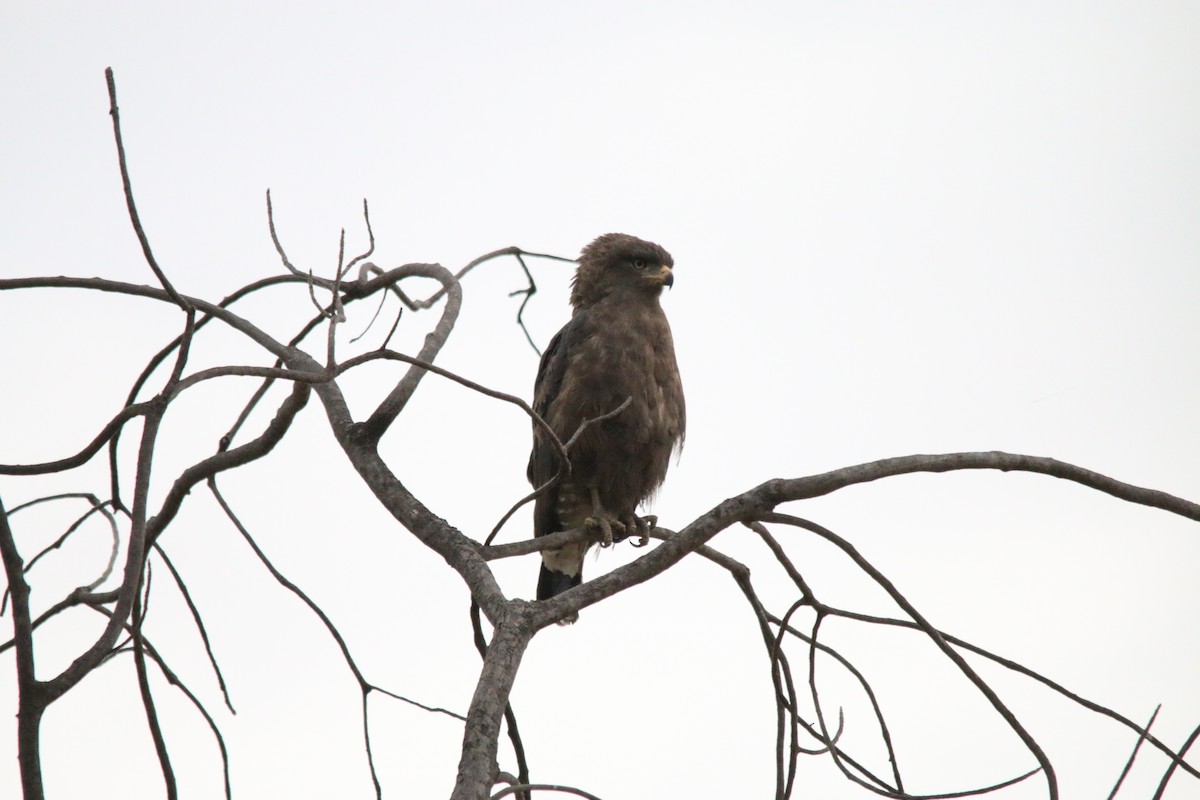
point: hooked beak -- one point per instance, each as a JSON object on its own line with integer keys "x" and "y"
{"x": 667, "y": 277}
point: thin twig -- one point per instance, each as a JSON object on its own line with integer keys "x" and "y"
{"x": 504, "y": 251}
{"x": 397, "y": 399}
{"x": 354, "y": 262}
{"x": 806, "y": 592}
{"x": 934, "y": 635}
{"x": 198, "y": 620}
{"x": 390, "y": 355}
{"x": 127, "y": 185}
{"x": 96, "y": 507}
{"x": 1187, "y": 745}
{"x": 174, "y": 680}
{"x": 528, "y": 293}
{"x": 275, "y": 239}
{"x": 1133, "y": 755}
{"x": 422, "y": 706}
{"x": 79, "y": 597}
{"x": 1027, "y": 672}
{"x": 282, "y": 580}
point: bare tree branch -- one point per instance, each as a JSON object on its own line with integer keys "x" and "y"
{"x": 134, "y": 557}
{"x": 514, "y": 621}
{"x": 762, "y": 499}
{"x": 95, "y": 507}
{"x": 79, "y": 597}
{"x": 139, "y": 660}
{"x": 1187, "y": 745}
{"x": 395, "y": 402}
{"x": 84, "y": 455}
{"x": 510, "y": 716}
{"x": 228, "y": 459}
{"x": 1132, "y": 756}
{"x": 363, "y": 685}
{"x": 477, "y": 767}
{"x": 1023, "y": 670}
{"x": 126, "y": 183}
{"x": 783, "y": 490}
{"x": 32, "y": 700}
{"x": 934, "y": 635}
{"x": 173, "y": 680}
{"x": 199, "y": 621}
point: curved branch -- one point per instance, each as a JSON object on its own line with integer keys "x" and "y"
{"x": 80, "y": 597}
{"x": 762, "y": 499}
{"x": 83, "y": 456}
{"x": 240, "y": 324}
{"x": 228, "y": 459}
{"x": 135, "y": 555}
{"x": 782, "y": 490}
{"x": 417, "y": 305}
{"x": 542, "y": 787}
{"x": 398, "y": 398}
{"x": 95, "y": 507}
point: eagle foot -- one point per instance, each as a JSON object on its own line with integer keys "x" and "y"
{"x": 604, "y": 521}
{"x": 605, "y": 525}
{"x": 641, "y": 526}
{"x": 644, "y": 526}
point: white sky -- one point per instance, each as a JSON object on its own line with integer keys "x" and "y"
{"x": 898, "y": 228}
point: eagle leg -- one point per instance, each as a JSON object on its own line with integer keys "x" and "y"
{"x": 603, "y": 520}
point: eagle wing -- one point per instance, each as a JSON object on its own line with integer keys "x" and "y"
{"x": 544, "y": 458}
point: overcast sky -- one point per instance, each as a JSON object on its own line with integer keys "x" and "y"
{"x": 898, "y": 228}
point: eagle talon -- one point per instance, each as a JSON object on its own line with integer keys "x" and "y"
{"x": 602, "y": 520}
{"x": 643, "y": 526}
{"x": 605, "y": 526}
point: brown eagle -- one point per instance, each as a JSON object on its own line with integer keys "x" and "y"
{"x": 616, "y": 347}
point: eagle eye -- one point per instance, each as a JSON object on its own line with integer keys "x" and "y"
{"x": 639, "y": 263}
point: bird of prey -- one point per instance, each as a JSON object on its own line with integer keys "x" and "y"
{"x": 617, "y": 347}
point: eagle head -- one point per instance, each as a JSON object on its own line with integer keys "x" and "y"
{"x": 618, "y": 262}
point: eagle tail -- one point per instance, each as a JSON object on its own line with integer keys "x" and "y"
{"x": 552, "y": 582}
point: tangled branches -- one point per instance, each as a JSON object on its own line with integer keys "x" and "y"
{"x": 143, "y": 502}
